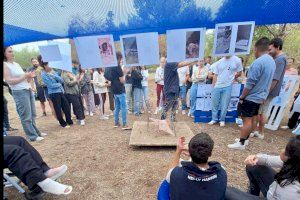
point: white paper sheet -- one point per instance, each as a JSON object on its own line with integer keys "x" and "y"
{"x": 140, "y": 49}
{"x": 92, "y": 52}
{"x": 50, "y": 53}
{"x": 185, "y": 44}
{"x": 65, "y": 51}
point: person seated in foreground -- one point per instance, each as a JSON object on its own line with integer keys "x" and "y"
{"x": 283, "y": 185}
{"x": 198, "y": 178}
{"x": 24, "y": 161}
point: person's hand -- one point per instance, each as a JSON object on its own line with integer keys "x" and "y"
{"x": 91, "y": 81}
{"x": 251, "y": 160}
{"x": 30, "y": 75}
{"x": 181, "y": 146}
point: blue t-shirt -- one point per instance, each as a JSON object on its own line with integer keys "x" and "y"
{"x": 171, "y": 79}
{"x": 259, "y": 78}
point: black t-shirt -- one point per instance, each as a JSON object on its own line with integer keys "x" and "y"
{"x": 113, "y": 74}
{"x": 136, "y": 79}
{"x": 171, "y": 79}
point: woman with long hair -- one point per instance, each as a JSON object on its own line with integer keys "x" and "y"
{"x": 71, "y": 86}
{"x": 19, "y": 82}
{"x": 87, "y": 90}
{"x": 283, "y": 185}
{"x": 56, "y": 93}
{"x": 100, "y": 86}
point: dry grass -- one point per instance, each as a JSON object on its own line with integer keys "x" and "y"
{"x": 102, "y": 165}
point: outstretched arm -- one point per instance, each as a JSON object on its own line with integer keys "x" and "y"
{"x": 186, "y": 63}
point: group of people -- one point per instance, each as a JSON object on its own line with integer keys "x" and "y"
{"x": 127, "y": 89}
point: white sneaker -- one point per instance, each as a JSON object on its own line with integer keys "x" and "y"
{"x": 237, "y": 145}
{"x": 104, "y": 118}
{"x": 284, "y": 127}
{"x": 160, "y": 108}
{"x": 176, "y": 111}
{"x": 212, "y": 122}
{"x": 91, "y": 114}
{"x": 39, "y": 139}
{"x": 183, "y": 112}
{"x": 257, "y": 134}
{"x": 222, "y": 124}
{"x": 82, "y": 122}
{"x": 68, "y": 126}
{"x": 246, "y": 141}
{"x": 43, "y": 134}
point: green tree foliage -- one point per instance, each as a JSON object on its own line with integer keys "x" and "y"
{"x": 24, "y": 56}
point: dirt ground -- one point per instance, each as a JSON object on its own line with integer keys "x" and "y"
{"x": 102, "y": 165}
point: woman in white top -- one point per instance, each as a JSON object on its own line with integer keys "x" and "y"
{"x": 19, "y": 82}
{"x": 282, "y": 185}
{"x": 159, "y": 80}
{"x": 145, "y": 75}
{"x": 199, "y": 76}
{"x": 100, "y": 87}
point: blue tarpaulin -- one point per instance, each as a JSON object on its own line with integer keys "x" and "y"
{"x": 34, "y": 20}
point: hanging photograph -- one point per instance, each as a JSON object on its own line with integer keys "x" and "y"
{"x": 140, "y": 49}
{"x": 130, "y": 50}
{"x": 223, "y": 39}
{"x": 185, "y": 44}
{"x": 243, "y": 39}
{"x": 106, "y": 50}
{"x": 233, "y": 38}
{"x": 192, "y": 44}
{"x": 96, "y": 51}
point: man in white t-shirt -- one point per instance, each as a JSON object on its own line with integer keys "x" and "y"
{"x": 226, "y": 70}
{"x": 183, "y": 74}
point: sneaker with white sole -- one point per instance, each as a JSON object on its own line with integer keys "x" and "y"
{"x": 222, "y": 124}
{"x": 246, "y": 141}
{"x": 183, "y": 112}
{"x": 82, "y": 122}
{"x": 237, "y": 145}
{"x": 104, "y": 117}
{"x": 39, "y": 139}
{"x": 43, "y": 134}
{"x": 212, "y": 122}
{"x": 257, "y": 134}
{"x": 68, "y": 126}
{"x": 91, "y": 114}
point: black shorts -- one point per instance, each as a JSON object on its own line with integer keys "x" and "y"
{"x": 248, "y": 109}
{"x": 41, "y": 94}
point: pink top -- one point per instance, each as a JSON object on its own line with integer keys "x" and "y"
{"x": 291, "y": 71}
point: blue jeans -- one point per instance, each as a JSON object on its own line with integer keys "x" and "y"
{"x": 129, "y": 96}
{"x": 220, "y": 99}
{"x": 182, "y": 94}
{"x": 145, "y": 93}
{"x": 193, "y": 97}
{"x": 138, "y": 100}
{"x": 25, "y": 104}
{"x": 120, "y": 105}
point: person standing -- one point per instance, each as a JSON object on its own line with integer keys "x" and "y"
{"x": 208, "y": 65}
{"x": 73, "y": 96}
{"x": 226, "y": 70}
{"x": 6, "y": 124}
{"x": 87, "y": 91}
{"x": 183, "y": 74}
{"x": 100, "y": 87}
{"x": 259, "y": 79}
{"x": 159, "y": 80}
{"x": 290, "y": 67}
{"x": 199, "y": 76}
{"x": 171, "y": 88}
{"x": 116, "y": 76}
{"x": 275, "y": 50}
{"x": 129, "y": 91}
{"x": 137, "y": 87}
{"x": 110, "y": 94}
{"x": 41, "y": 89}
{"x": 56, "y": 93}
{"x": 145, "y": 75}
{"x": 18, "y": 81}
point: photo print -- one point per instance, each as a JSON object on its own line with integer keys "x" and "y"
{"x": 130, "y": 50}
{"x": 106, "y": 50}
{"x": 243, "y": 38}
{"x": 223, "y": 39}
{"x": 192, "y": 44}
